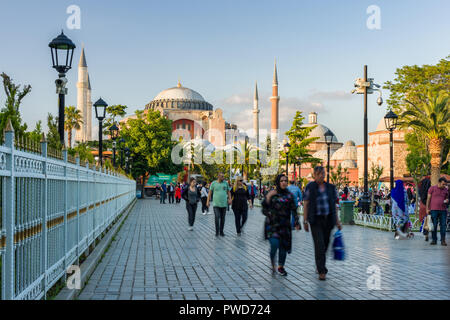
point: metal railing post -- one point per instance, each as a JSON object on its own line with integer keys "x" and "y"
{"x": 10, "y": 215}
{"x": 44, "y": 249}
{"x": 64, "y": 153}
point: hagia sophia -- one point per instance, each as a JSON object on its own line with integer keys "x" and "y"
{"x": 193, "y": 117}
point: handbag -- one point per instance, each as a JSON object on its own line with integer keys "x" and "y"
{"x": 430, "y": 223}
{"x": 338, "y": 246}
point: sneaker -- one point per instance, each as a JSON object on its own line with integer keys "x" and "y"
{"x": 433, "y": 242}
{"x": 238, "y": 234}
{"x": 443, "y": 243}
{"x": 204, "y": 213}
{"x": 282, "y": 272}
{"x": 322, "y": 276}
{"x": 191, "y": 228}
{"x": 222, "y": 234}
{"x": 426, "y": 238}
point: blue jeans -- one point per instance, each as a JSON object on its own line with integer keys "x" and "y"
{"x": 442, "y": 216}
{"x": 274, "y": 246}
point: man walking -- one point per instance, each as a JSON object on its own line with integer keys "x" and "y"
{"x": 171, "y": 193}
{"x": 221, "y": 198}
{"x": 163, "y": 193}
{"x": 253, "y": 191}
{"x": 320, "y": 212}
{"x": 297, "y": 198}
{"x": 437, "y": 201}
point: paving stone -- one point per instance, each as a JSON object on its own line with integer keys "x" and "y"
{"x": 156, "y": 257}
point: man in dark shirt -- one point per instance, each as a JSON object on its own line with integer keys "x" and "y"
{"x": 163, "y": 193}
{"x": 320, "y": 212}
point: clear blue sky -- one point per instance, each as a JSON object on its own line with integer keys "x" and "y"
{"x": 135, "y": 49}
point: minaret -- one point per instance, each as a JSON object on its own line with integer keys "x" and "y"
{"x": 82, "y": 97}
{"x": 256, "y": 114}
{"x": 89, "y": 113}
{"x": 275, "y": 99}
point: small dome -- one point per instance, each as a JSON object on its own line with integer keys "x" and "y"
{"x": 319, "y": 132}
{"x": 348, "y": 164}
{"x": 347, "y": 152}
{"x": 350, "y": 143}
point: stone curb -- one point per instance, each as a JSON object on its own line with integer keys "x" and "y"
{"x": 91, "y": 262}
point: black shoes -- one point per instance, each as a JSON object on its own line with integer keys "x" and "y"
{"x": 222, "y": 234}
{"x": 443, "y": 243}
{"x": 433, "y": 242}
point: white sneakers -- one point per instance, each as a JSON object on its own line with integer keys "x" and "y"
{"x": 191, "y": 228}
{"x": 204, "y": 213}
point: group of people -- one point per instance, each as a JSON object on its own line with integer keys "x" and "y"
{"x": 173, "y": 192}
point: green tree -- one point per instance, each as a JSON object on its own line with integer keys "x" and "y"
{"x": 339, "y": 177}
{"x": 113, "y": 112}
{"x": 419, "y": 95}
{"x": 14, "y": 97}
{"x": 36, "y": 134}
{"x": 83, "y": 151}
{"x": 73, "y": 120}
{"x": 53, "y": 133}
{"x": 373, "y": 179}
{"x": 149, "y": 139}
{"x": 299, "y": 141}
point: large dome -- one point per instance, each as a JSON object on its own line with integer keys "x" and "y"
{"x": 179, "y": 93}
{"x": 347, "y": 152}
{"x": 319, "y": 132}
{"x": 179, "y": 97}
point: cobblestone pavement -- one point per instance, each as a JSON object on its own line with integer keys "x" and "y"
{"x": 154, "y": 256}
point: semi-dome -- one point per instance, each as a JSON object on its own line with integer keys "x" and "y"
{"x": 179, "y": 97}
{"x": 323, "y": 154}
{"x": 347, "y": 152}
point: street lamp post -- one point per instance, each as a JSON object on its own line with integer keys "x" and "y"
{"x": 62, "y": 53}
{"x": 328, "y": 140}
{"x": 100, "y": 113}
{"x": 127, "y": 159}
{"x": 366, "y": 86}
{"x": 114, "y": 130}
{"x": 390, "y": 120}
{"x": 121, "y": 144}
{"x": 286, "y": 149}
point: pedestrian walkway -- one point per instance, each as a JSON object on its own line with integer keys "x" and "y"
{"x": 154, "y": 256}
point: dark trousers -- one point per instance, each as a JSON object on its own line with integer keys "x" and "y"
{"x": 252, "y": 197}
{"x": 219, "y": 214}
{"x": 163, "y": 197}
{"x": 274, "y": 247}
{"x": 204, "y": 207}
{"x": 178, "y": 200}
{"x": 171, "y": 197}
{"x": 438, "y": 216}
{"x": 191, "y": 209}
{"x": 240, "y": 217}
{"x": 321, "y": 231}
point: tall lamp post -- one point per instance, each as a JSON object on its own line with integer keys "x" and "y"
{"x": 328, "y": 139}
{"x": 100, "y": 113}
{"x": 390, "y": 120}
{"x": 121, "y": 145}
{"x": 62, "y": 53}
{"x": 366, "y": 86}
{"x": 286, "y": 149}
{"x": 114, "y": 130}
{"x": 127, "y": 159}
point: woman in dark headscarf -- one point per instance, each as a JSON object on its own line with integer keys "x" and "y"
{"x": 399, "y": 206}
{"x": 278, "y": 206}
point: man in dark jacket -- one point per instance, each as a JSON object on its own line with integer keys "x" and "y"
{"x": 320, "y": 212}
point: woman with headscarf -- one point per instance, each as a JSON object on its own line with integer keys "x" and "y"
{"x": 278, "y": 206}
{"x": 399, "y": 208}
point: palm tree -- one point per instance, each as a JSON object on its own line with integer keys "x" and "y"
{"x": 73, "y": 121}
{"x": 430, "y": 119}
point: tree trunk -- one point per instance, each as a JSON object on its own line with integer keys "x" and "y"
{"x": 435, "y": 151}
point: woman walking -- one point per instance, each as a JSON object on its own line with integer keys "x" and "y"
{"x": 192, "y": 197}
{"x": 278, "y": 206}
{"x": 204, "y": 193}
{"x": 399, "y": 208}
{"x": 239, "y": 199}
{"x": 178, "y": 193}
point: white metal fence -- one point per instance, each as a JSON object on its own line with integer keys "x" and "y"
{"x": 51, "y": 211}
{"x": 381, "y": 222}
